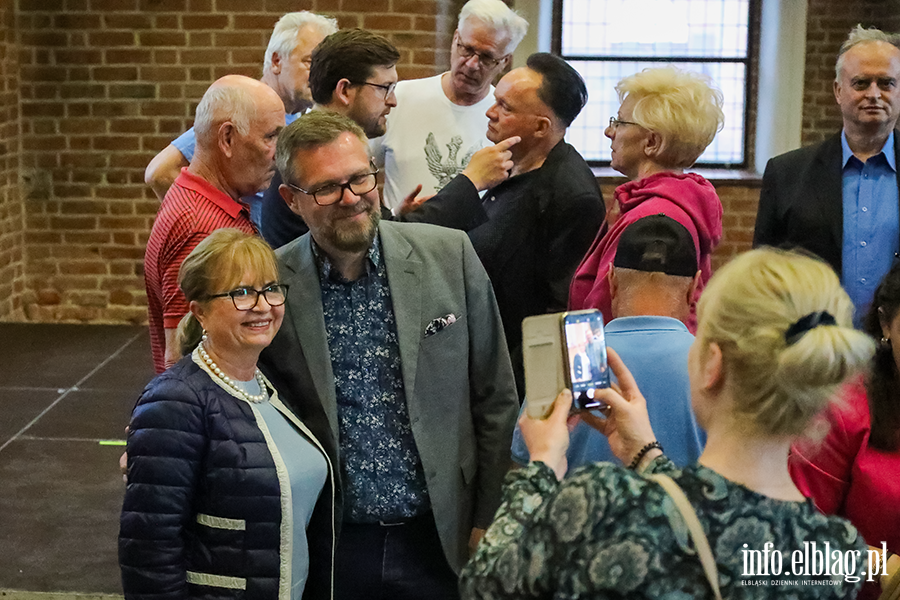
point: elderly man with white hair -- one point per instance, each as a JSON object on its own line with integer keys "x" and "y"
{"x": 439, "y": 122}
{"x": 237, "y": 124}
{"x": 285, "y": 70}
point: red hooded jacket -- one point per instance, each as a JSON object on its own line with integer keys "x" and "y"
{"x": 688, "y": 198}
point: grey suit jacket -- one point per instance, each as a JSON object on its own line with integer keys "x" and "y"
{"x": 459, "y": 386}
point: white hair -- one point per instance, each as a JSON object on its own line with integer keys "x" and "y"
{"x": 857, "y": 36}
{"x": 284, "y": 36}
{"x": 222, "y": 103}
{"x": 499, "y": 17}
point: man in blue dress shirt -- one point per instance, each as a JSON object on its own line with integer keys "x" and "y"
{"x": 839, "y": 198}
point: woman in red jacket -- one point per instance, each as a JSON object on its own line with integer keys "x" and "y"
{"x": 666, "y": 120}
{"x": 855, "y": 471}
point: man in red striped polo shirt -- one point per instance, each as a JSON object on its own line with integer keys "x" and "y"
{"x": 237, "y": 124}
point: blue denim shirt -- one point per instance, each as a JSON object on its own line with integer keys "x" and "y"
{"x": 380, "y": 465}
{"x": 871, "y": 222}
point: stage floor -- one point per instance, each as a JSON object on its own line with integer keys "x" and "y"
{"x": 66, "y": 393}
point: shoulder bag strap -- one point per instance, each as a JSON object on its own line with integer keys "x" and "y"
{"x": 696, "y": 529}
{"x": 891, "y": 590}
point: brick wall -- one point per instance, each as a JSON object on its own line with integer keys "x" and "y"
{"x": 90, "y": 90}
{"x": 12, "y": 245}
{"x": 828, "y": 24}
{"x": 739, "y": 202}
{"x": 105, "y": 84}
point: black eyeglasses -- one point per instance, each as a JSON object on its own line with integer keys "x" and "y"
{"x": 614, "y": 122}
{"x": 388, "y": 88}
{"x": 333, "y": 192}
{"x": 484, "y": 60}
{"x": 246, "y": 298}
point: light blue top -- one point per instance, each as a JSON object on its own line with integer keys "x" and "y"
{"x": 871, "y": 222}
{"x": 307, "y": 472}
{"x": 187, "y": 142}
{"x": 655, "y": 350}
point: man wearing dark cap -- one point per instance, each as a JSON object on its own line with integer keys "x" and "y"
{"x": 652, "y": 284}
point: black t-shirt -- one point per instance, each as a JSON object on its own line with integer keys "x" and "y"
{"x": 278, "y": 224}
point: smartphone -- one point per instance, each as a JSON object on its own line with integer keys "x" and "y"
{"x": 548, "y": 368}
{"x": 543, "y": 357}
{"x": 585, "y": 356}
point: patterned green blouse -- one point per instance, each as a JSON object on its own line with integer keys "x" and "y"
{"x": 606, "y": 532}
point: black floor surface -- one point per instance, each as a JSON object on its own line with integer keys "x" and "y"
{"x": 66, "y": 392}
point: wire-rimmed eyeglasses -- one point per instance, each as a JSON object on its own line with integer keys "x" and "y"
{"x": 387, "y": 88}
{"x": 467, "y": 52}
{"x": 615, "y": 122}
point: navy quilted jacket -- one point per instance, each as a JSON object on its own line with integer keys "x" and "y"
{"x": 202, "y": 511}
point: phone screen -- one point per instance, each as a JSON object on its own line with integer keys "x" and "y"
{"x": 585, "y": 356}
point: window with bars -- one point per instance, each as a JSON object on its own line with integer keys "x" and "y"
{"x": 607, "y": 40}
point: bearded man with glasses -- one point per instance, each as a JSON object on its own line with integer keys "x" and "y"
{"x": 353, "y": 73}
{"x": 392, "y": 351}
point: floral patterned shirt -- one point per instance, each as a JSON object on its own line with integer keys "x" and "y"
{"x": 606, "y": 532}
{"x": 380, "y": 465}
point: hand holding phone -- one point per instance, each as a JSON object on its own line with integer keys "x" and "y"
{"x": 627, "y": 425}
{"x": 563, "y": 350}
{"x": 547, "y": 439}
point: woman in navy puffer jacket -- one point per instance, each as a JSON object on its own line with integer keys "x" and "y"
{"x": 229, "y": 494}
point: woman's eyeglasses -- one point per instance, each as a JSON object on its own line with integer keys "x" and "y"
{"x": 246, "y": 298}
{"x": 614, "y": 122}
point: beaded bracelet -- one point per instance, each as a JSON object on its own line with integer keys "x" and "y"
{"x": 643, "y": 452}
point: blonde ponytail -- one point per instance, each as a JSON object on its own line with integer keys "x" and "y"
{"x": 188, "y": 334}
{"x": 748, "y": 308}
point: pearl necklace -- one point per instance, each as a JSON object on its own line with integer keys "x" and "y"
{"x": 230, "y": 383}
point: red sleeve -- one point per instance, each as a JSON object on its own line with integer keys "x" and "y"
{"x": 822, "y": 470}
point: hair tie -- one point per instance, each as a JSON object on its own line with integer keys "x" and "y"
{"x": 804, "y": 324}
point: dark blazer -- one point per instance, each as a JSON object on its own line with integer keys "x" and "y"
{"x": 801, "y": 201}
{"x": 458, "y": 382}
{"x": 532, "y": 240}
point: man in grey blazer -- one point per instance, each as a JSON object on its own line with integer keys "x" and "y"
{"x": 392, "y": 351}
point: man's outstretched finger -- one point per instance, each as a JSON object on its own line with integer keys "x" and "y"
{"x": 411, "y": 203}
{"x": 507, "y": 143}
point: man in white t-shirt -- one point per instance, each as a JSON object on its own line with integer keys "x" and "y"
{"x": 440, "y": 122}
